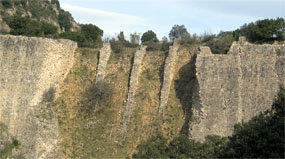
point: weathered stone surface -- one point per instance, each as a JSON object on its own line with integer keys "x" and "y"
{"x": 235, "y": 87}
{"x": 134, "y": 78}
{"x": 3, "y": 26}
{"x": 29, "y": 69}
{"x": 105, "y": 53}
{"x": 168, "y": 75}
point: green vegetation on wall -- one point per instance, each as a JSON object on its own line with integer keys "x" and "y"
{"x": 8, "y": 150}
{"x": 6, "y": 142}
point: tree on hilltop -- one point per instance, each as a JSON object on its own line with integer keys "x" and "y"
{"x": 263, "y": 31}
{"x": 178, "y": 31}
{"x": 149, "y": 36}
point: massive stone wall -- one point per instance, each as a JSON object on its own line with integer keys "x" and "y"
{"x": 234, "y": 87}
{"x": 31, "y": 69}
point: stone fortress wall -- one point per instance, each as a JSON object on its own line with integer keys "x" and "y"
{"x": 235, "y": 87}
{"x": 31, "y": 69}
{"x": 228, "y": 88}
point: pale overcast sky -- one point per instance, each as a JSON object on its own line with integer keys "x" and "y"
{"x": 198, "y": 16}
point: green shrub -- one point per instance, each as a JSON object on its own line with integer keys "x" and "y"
{"x": 56, "y": 2}
{"x": 183, "y": 147}
{"x": 155, "y": 147}
{"x": 165, "y": 46}
{"x": 149, "y": 36}
{"x": 263, "y": 31}
{"x": 7, "y": 3}
{"x": 81, "y": 39}
{"x": 221, "y": 43}
{"x": 97, "y": 96}
{"x": 152, "y": 46}
{"x": 261, "y": 137}
{"x": 18, "y": 25}
{"x": 25, "y": 26}
{"x": 48, "y": 28}
{"x": 24, "y": 3}
{"x": 7, "y": 152}
{"x": 117, "y": 46}
{"x": 75, "y": 36}
{"x": 92, "y": 35}
{"x": 64, "y": 18}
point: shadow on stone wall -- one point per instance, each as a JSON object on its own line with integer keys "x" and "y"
{"x": 184, "y": 88}
{"x": 49, "y": 95}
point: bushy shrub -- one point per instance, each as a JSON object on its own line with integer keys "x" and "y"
{"x": 75, "y": 36}
{"x": 155, "y": 147}
{"x": 165, "y": 45}
{"x": 261, "y": 137}
{"x": 152, "y": 46}
{"x": 178, "y": 31}
{"x": 24, "y": 3}
{"x": 89, "y": 36}
{"x": 181, "y": 147}
{"x": 7, "y": 3}
{"x": 97, "y": 95}
{"x": 263, "y": 31}
{"x": 64, "y": 18}
{"x": 92, "y": 34}
{"x": 221, "y": 43}
{"x": 117, "y": 46}
{"x": 25, "y": 26}
{"x": 149, "y": 36}
{"x": 56, "y": 2}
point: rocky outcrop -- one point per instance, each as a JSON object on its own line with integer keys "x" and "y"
{"x": 168, "y": 75}
{"x": 105, "y": 53}
{"x": 31, "y": 69}
{"x": 234, "y": 87}
{"x": 134, "y": 78}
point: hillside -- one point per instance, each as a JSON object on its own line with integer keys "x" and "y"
{"x": 40, "y": 10}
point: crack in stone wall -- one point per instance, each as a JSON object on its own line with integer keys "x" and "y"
{"x": 105, "y": 53}
{"x": 28, "y": 67}
{"x": 235, "y": 87}
{"x": 134, "y": 78}
{"x": 168, "y": 75}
